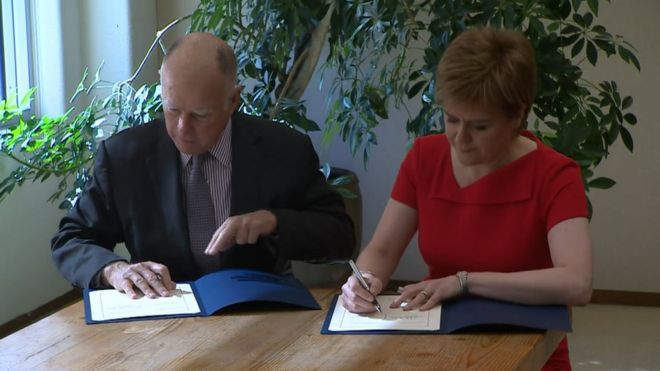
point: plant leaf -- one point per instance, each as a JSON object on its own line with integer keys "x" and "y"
{"x": 592, "y": 53}
{"x": 626, "y": 138}
{"x": 414, "y": 90}
{"x": 629, "y": 57}
{"x": 577, "y": 48}
{"x": 630, "y": 118}
{"x": 602, "y": 183}
{"x": 627, "y": 102}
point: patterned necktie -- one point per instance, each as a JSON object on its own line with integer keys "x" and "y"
{"x": 201, "y": 215}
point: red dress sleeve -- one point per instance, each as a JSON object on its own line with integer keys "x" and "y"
{"x": 564, "y": 194}
{"x": 405, "y": 186}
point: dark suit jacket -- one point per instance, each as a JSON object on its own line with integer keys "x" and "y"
{"x": 136, "y": 197}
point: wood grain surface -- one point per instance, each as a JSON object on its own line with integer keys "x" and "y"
{"x": 269, "y": 339}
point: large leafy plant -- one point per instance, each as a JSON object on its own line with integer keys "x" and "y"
{"x": 383, "y": 53}
{"x": 63, "y": 147}
{"x": 379, "y": 55}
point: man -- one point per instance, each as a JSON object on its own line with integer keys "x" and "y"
{"x": 164, "y": 188}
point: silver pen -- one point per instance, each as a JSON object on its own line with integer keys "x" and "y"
{"x": 363, "y": 283}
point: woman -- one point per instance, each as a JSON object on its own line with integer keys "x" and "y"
{"x": 499, "y": 214}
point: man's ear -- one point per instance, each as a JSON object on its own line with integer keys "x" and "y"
{"x": 234, "y": 99}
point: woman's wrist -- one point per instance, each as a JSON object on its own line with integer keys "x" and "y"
{"x": 462, "y": 277}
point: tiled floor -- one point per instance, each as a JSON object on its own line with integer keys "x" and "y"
{"x": 615, "y": 337}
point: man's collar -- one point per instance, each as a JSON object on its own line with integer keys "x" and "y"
{"x": 221, "y": 150}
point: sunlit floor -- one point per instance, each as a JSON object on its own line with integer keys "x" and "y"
{"x": 615, "y": 337}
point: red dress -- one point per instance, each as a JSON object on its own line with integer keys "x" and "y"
{"x": 500, "y": 222}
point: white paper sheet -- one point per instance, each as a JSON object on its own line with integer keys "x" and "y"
{"x": 112, "y": 304}
{"x": 390, "y": 319}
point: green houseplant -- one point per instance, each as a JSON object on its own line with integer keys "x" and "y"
{"x": 381, "y": 55}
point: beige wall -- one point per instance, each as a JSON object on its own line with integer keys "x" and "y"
{"x": 28, "y": 278}
{"x": 626, "y": 222}
{"x": 170, "y": 10}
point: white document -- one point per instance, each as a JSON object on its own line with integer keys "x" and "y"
{"x": 112, "y": 304}
{"x": 390, "y": 319}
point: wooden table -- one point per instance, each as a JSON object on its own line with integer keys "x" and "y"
{"x": 264, "y": 339}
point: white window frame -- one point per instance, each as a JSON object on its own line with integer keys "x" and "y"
{"x": 16, "y": 48}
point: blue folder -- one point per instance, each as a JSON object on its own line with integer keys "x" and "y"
{"x": 224, "y": 288}
{"x": 477, "y": 313}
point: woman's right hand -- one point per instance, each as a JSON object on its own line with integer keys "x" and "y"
{"x": 358, "y": 300}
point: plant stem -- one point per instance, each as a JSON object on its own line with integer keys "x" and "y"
{"x": 29, "y": 165}
{"x": 159, "y": 35}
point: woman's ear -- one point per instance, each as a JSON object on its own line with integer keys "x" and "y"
{"x": 520, "y": 118}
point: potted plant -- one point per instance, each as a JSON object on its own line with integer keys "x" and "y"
{"x": 279, "y": 45}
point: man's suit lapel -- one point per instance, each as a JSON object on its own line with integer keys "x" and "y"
{"x": 164, "y": 164}
{"x": 245, "y": 171}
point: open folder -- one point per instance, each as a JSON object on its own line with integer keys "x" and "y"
{"x": 449, "y": 317}
{"x": 202, "y": 297}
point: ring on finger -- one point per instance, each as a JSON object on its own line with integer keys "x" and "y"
{"x": 426, "y": 294}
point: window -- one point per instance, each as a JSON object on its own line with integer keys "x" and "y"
{"x": 14, "y": 48}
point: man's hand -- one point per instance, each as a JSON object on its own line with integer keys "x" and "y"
{"x": 242, "y": 229}
{"x": 149, "y": 278}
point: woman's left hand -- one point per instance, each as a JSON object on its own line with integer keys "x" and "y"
{"x": 427, "y": 294}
